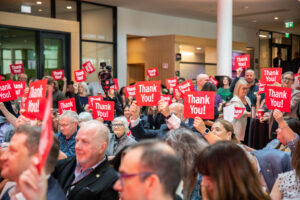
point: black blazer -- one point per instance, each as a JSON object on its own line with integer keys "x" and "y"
{"x": 97, "y": 185}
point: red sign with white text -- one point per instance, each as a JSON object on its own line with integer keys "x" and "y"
{"x": 242, "y": 61}
{"x": 147, "y": 93}
{"x": 116, "y": 85}
{"x": 88, "y": 66}
{"x": 17, "y": 68}
{"x": 213, "y": 80}
{"x": 186, "y": 86}
{"x": 80, "y": 75}
{"x": 278, "y": 98}
{"x": 166, "y": 97}
{"x": 271, "y": 75}
{"x": 199, "y": 104}
{"x": 171, "y": 82}
{"x": 176, "y": 93}
{"x": 34, "y": 108}
{"x": 58, "y": 74}
{"x": 91, "y": 99}
{"x": 152, "y": 72}
{"x": 261, "y": 88}
{"x": 238, "y": 112}
{"x": 19, "y": 87}
{"x": 104, "y": 110}
{"x": 37, "y": 89}
{"x": 130, "y": 91}
{"x": 68, "y": 104}
{"x": 23, "y": 101}
{"x": 7, "y": 91}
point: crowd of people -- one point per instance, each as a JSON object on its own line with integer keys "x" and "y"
{"x": 154, "y": 152}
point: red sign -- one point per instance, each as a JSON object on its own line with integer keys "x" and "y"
{"x": 171, "y": 82}
{"x": 271, "y": 75}
{"x": 104, "y": 110}
{"x": 17, "y": 68}
{"x": 88, "y": 66}
{"x": 213, "y": 80}
{"x": 0, "y": 78}
{"x": 152, "y": 72}
{"x": 166, "y": 97}
{"x": 23, "y": 101}
{"x": 68, "y": 104}
{"x": 46, "y": 139}
{"x": 242, "y": 61}
{"x": 278, "y": 98}
{"x": 238, "y": 112}
{"x": 34, "y": 108}
{"x": 177, "y": 93}
{"x": 261, "y": 88}
{"x": 80, "y": 75}
{"x": 186, "y": 86}
{"x": 37, "y": 89}
{"x": 130, "y": 91}
{"x": 7, "y": 91}
{"x": 58, "y": 74}
{"x": 199, "y": 104}
{"x": 92, "y": 99}
{"x": 19, "y": 87}
{"x": 147, "y": 93}
{"x": 116, "y": 84}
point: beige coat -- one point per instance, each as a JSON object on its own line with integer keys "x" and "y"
{"x": 239, "y": 125}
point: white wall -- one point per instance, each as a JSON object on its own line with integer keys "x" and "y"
{"x": 134, "y": 22}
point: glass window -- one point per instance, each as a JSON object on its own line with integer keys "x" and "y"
{"x": 18, "y": 46}
{"x": 97, "y": 53}
{"x": 53, "y": 59}
{"x": 66, "y": 9}
{"x": 264, "y": 50}
{"x": 37, "y": 8}
{"x": 97, "y": 22}
{"x": 295, "y": 45}
{"x": 279, "y": 38}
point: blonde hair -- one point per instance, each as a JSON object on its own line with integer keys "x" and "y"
{"x": 238, "y": 86}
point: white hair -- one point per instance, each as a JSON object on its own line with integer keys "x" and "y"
{"x": 70, "y": 114}
{"x": 85, "y": 116}
{"x": 124, "y": 121}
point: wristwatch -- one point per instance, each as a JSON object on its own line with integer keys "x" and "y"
{"x": 206, "y": 131}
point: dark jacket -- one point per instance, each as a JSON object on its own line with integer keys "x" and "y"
{"x": 97, "y": 185}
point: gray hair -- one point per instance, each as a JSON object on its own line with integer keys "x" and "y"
{"x": 188, "y": 146}
{"x": 238, "y": 85}
{"x": 124, "y": 121}
{"x": 85, "y": 88}
{"x": 85, "y": 116}
{"x": 99, "y": 128}
{"x": 73, "y": 116}
{"x": 289, "y": 73}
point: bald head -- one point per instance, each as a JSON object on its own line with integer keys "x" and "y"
{"x": 177, "y": 109}
{"x": 95, "y": 129}
{"x": 201, "y": 80}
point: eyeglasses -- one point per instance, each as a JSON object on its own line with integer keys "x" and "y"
{"x": 288, "y": 79}
{"x": 122, "y": 175}
{"x": 117, "y": 125}
{"x": 245, "y": 88}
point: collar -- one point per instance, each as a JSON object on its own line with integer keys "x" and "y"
{"x": 78, "y": 168}
{"x": 71, "y": 138}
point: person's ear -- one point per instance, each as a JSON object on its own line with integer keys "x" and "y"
{"x": 152, "y": 185}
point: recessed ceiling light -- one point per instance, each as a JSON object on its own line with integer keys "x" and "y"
{"x": 198, "y": 48}
{"x": 39, "y": 2}
{"x": 262, "y": 36}
{"x": 40, "y": 10}
{"x": 254, "y": 21}
{"x": 69, "y": 7}
{"x": 246, "y": 7}
{"x": 276, "y": 18}
{"x": 25, "y": 9}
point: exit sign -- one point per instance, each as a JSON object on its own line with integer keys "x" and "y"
{"x": 289, "y": 24}
{"x": 287, "y": 35}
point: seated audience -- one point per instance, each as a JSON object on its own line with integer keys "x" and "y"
{"x": 87, "y": 175}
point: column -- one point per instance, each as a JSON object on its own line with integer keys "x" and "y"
{"x": 224, "y": 37}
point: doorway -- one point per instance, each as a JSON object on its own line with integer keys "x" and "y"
{"x": 135, "y": 72}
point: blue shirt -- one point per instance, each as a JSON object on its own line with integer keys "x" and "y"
{"x": 67, "y": 145}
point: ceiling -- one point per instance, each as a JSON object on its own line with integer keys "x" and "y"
{"x": 249, "y": 13}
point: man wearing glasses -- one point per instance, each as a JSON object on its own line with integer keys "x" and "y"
{"x": 87, "y": 175}
{"x": 149, "y": 170}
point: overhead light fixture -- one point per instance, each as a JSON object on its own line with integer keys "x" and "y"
{"x": 40, "y": 10}
{"x": 276, "y": 18}
{"x": 254, "y": 21}
{"x": 25, "y": 9}
{"x": 262, "y": 36}
{"x": 186, "y": 53}
{"x": 39, "y": 2}
{"x": 246, "y": 7}
{"x": 198, "y": 48}
{"x": 69, "y": 7}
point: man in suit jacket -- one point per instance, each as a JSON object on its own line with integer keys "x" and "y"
{"x": 88, "y": 174}
{"x": 23, "y": 148}
{"x": 278, "y": 62}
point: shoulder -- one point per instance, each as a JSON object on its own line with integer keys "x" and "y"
{"x": 55, "y": 192}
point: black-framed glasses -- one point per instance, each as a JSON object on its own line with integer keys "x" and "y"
{"x": 143, "y": 175}
{"x": 288, "y": 79}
